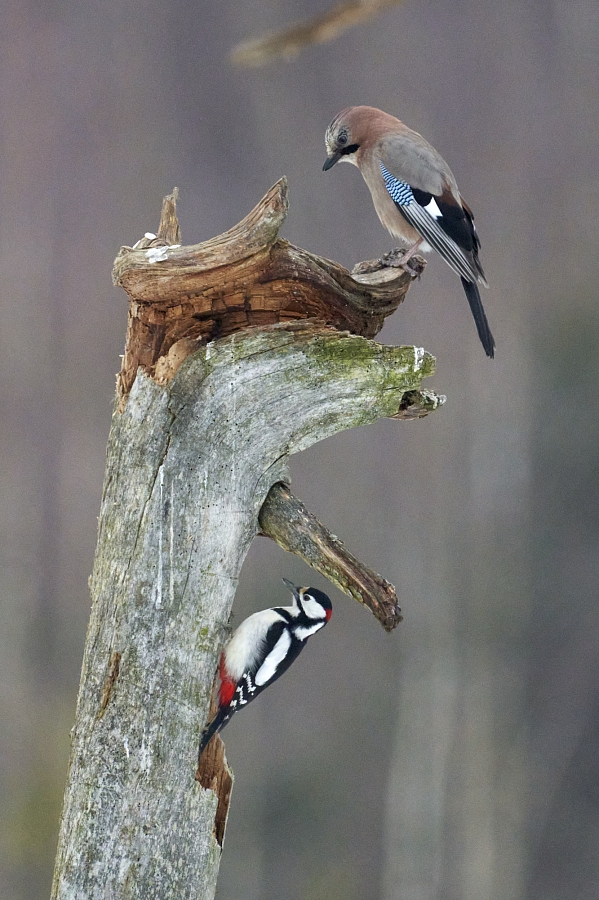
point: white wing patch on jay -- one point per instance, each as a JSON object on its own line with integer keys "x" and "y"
{"x": 433, "y": 209}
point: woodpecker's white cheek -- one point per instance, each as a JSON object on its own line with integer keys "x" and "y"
{"x": 312, "y": 608}
{"x": 274, "y": 659}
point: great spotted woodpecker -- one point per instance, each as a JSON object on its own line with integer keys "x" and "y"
{"x": 262, "y": 648}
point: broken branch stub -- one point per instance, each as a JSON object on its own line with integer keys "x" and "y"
{"x": 285, "y": 520}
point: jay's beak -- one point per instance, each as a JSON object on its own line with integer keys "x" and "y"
{"x": 330, "y": 161}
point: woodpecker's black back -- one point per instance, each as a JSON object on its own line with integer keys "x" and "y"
{"x": 247, "y": 689}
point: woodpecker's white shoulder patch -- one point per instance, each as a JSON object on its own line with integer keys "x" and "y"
{"x": 274, "y": 659}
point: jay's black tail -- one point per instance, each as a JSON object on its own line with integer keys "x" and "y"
{"x": 482, "y": 326}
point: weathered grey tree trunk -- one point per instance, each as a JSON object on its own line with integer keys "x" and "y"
{"x": 200, "y": 436}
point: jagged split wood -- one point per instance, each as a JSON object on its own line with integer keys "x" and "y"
{"x": 239, "y": 353}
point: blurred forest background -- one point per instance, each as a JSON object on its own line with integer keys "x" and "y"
{"x": 457, "y": 758}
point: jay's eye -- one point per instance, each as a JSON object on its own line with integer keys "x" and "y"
{"x": 342, "y": 139}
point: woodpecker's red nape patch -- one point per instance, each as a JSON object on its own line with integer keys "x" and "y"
{"x": 328, "y": 614}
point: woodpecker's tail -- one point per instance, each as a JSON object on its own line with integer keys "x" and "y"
{"x": 482, "y": 326}
{"x": 212, "y": 728}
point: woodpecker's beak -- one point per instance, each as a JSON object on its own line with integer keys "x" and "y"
{"x": 330, "y": 161}
{"x": 294, "y": 590}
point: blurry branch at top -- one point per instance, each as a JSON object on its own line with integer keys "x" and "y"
{"x": 289, "y": 42}
{"x": 285, "y": 520}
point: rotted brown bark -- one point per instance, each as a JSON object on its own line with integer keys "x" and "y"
{"x": 183, "y": 296}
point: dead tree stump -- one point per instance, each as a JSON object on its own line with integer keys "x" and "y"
{"x": 240, "y": 351}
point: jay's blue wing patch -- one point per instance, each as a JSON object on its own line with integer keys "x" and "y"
{"x": 399, "y": 191}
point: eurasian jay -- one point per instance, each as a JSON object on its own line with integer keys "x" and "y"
{"x": 414, "y": 193}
